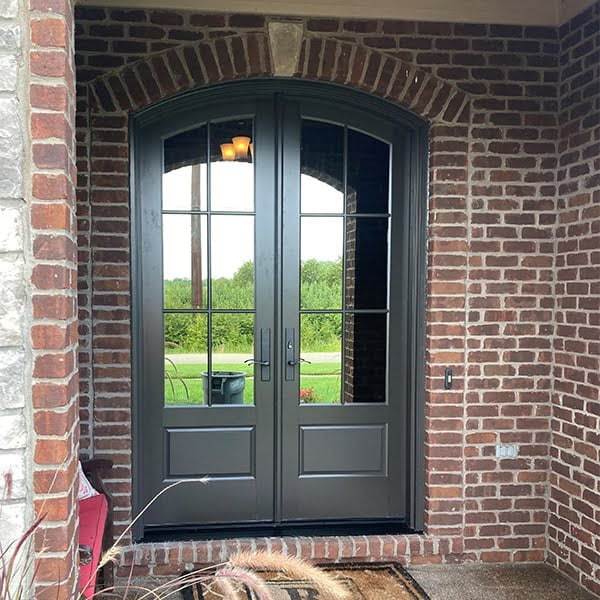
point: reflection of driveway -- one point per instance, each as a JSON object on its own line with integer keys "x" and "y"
{"x": 191, "y": 359}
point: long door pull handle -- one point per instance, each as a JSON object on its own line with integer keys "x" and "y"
{"x": 265, "y": 355}
{"x": 290, "y": 354}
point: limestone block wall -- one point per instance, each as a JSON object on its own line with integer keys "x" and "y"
{"x": 15, "y": 379}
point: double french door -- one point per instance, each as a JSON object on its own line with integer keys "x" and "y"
{"x": 273, "y": 320}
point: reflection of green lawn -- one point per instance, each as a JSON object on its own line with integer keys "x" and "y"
{"x": 324, "y": 378}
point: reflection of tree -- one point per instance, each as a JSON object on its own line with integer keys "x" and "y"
{"x": 321, "y": 284}
{"x": 244, "y": 276}
{"x": 321, "y": 288}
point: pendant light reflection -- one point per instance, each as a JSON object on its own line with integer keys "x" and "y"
{"x": 237, "y": 149}
{"x": 228, "y": 152}
{"x": 241, "y": 143}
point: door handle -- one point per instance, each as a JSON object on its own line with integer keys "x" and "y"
{"x": 293, "y": 363}
{"x": 265, "y": 355}
{"x": 253, "y": 361}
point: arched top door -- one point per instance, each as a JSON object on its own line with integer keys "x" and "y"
{"x": 278, "y": 237}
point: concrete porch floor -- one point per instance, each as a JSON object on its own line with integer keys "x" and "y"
{"x": 497, "y": 582}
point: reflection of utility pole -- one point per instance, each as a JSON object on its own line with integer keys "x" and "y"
{"x": 196, "y": 239}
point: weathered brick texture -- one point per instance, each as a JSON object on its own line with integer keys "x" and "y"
{"x": 575, "y": 475}
{"x": 491, "y": 93}
{"x": 54, "y": 292}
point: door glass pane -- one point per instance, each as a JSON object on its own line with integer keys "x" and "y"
{"x": 321, "y": 345}
{"x": 366, "y": 262}
{"x": 365, "y": 357}
{"x": 321, "y": 250}
{"x": 184, "y": 261}
{"x": 232, "y": 261}
{"x": 368, "y": 174}
{"x": 232, "y": 381}
{"x": 232, "y": 169}
{"x": 186, "y": 341}
{"x": 321, "y": 168}
{"x": 184, "y": 178}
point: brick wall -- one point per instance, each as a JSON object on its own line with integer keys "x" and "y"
{"x": 575, "y": 478}
{"x": 491, "y": 93}
{"x": 53, "y": 292}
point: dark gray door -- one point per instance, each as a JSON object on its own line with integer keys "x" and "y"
{"x": 206, "y": 295}
{"x": 271, "y": 314}
{"x": 343, "y": 407}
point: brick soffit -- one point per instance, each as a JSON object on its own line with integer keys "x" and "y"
{"x": 175, "y": 70}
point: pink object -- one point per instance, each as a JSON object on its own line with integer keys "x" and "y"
{"x": 86, "y": 490}
{"x": 92, "y": 519}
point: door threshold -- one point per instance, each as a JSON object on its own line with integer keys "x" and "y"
{"x": 166, "y": 533}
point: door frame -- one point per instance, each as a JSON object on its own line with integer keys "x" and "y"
{"x": 414, "y": 183}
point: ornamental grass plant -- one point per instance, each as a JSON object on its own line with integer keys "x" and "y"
{"x": 235, "y": 579}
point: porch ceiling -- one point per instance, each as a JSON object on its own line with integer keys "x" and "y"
{"x": 519, "y": 12}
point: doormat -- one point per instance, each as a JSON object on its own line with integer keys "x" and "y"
{"x": 365, "y": 581}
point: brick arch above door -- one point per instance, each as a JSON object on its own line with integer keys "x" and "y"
{"x": 175, "y": 70}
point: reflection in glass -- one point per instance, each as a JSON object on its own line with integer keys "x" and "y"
{"x": 368, "y": 174}
{"x": 232, "y": 261}
{"x": 321, "y": 344}
{"x": 232, "y": 381}
{"x": 184, "y": 178}
{"x": 184, "y": 261}
{"x": 186, "y": 343}
{"x": 231, "y": 169}
{"x": 366, "y": 267}
{"x": 322, "y": 168}
{"x": 365, "y": 357}
{"x": 321, "y": 250}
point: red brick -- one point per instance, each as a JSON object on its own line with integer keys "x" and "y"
{"x": 49, "y": 32}
{"x": 48, "y": 125}
{"x": 53, "y": 423}
{"x": 61, "y": 7}
{"x": 247, "y": 21}
{"x": 52, "y": 277}
{"x": 51, "y": 216}
{"x": 54, "y": 366}
{"x": 209, "y": 20}
{"x": 49, "y": 97}
{"x": 53, "y": 307}
{"x": 51, "y": 156}
{"x": 50, "y": 187}
{"x": 52, "y": 452}
{"x": 50, "y": 64}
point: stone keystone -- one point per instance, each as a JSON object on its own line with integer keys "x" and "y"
{"x": 285, "y": 38}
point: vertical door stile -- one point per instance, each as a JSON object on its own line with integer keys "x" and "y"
{"x": 209, "y": 316}
{"x": 290, "y": 236}
{"x": 265, "y": 302}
